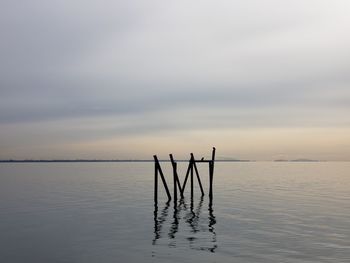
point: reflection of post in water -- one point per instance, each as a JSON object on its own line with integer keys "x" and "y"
{"x": 212, "y": 222}
{"x": 192, "y": 218}
{"x": 194, "y": 224}
{"x": 175, "y": 224}
{"x": 158, "y": 222}
{"x": 176, "y": 217}
{"x": 212, "y": 219}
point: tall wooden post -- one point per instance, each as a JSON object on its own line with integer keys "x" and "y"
{"x": 155, "y": 180}
{"x": 175, "y": 182}
{"x": 211, "y": 174}
{"x": 192, "y": 161}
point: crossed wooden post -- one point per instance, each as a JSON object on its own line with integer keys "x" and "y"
{"x": 192, "y": 168}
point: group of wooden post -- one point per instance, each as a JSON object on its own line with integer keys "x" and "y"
{"x": 192, "y": 168}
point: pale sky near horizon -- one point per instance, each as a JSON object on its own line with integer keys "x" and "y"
{"x": 259, "y": 80}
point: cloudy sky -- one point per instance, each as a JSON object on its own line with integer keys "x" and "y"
{"x": 126, "y": 79}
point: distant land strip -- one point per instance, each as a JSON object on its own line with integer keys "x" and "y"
{"x": 102, "y": 161}
{"x": 141, "y": 160}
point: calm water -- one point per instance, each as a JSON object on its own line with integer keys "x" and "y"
{"x": 104, "y": 212}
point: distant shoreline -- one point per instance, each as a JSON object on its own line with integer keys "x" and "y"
{"x": 150, "y": 160}
{"x": 104, "y": 161}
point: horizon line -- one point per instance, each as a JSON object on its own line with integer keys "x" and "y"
{"x": 149, "y": 160}
{"x": 104, "y": 160}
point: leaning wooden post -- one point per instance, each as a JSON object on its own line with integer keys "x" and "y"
{"x": 164, "y": 182}
{"x": 211, "y": 174}
{"x": 176, "y": 176}
{"x": 197, "y": 174}
{"x": 186, "y": 177}
{"x": 159, "y": 169}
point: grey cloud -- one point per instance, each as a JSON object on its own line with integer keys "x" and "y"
{"x": 63, "y": 60}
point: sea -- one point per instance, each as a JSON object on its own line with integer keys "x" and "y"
{"x": 106, "y": 212}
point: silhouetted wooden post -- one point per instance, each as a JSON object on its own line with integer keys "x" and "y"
{"x": 159, "y": 169}
{"x": 186, "y": 177}
{"x": 211, "y": 174}
{"x": 192, "y": 161}
{"x": 155, "y": 180}
{"x": 197, "y": 173}
{"x": 176, "y": 176}
{"x": 175, "y": 187}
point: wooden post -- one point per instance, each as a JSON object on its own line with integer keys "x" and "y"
{"x": 159, "y": 169}
{"x": 192, "y": 161}
{"x": 211, "y": 174}
{"x": 186, "y": 177}
{"x": 155, "y": 179}
{"x": 176, "y": 176}
{"x": 210, "y": 180}
{"x": 213, "y": 156}
{"x": 175, "y": 187}
{"x": 164, "y": 182}
{"x": 197, "y": 173}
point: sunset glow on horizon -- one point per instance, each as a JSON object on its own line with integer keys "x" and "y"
{"x": 260, "y": 80}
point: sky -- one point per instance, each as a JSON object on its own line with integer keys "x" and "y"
{"x": 259, "y": 80}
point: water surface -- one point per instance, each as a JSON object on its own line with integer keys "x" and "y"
{"x": 104, "y": 212}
